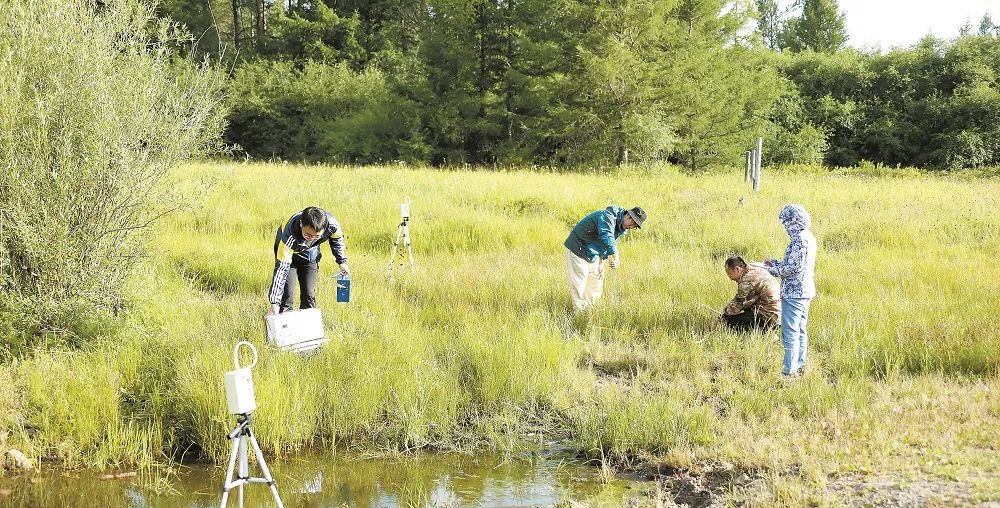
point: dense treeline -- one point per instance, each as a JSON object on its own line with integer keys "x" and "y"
{"x": 586, "y": 82}
{"x": 934, "y": 105}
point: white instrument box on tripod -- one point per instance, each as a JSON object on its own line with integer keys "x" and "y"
{"x": 297, "y": 330}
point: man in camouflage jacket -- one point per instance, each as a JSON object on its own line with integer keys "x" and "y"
{"x": 757, "y": 304}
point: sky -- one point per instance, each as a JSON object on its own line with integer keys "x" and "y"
{"x": 889, "y": 23}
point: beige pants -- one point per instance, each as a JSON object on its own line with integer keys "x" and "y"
{"x": 586, "y": 280}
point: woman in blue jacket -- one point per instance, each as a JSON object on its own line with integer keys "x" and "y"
{"x": 798, "y": 286}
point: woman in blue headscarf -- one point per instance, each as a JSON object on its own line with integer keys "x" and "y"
{"x": 798, "y": 286}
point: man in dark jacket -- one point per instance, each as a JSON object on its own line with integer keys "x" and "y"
{"x": 297, "y": 255}
{"x": 591, "y": 241}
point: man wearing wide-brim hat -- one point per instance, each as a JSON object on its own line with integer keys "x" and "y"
{"x": 593, "y": 240}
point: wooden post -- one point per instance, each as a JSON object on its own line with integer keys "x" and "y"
{"x": 757, "y": 161}
{"x": 746, "y": 168}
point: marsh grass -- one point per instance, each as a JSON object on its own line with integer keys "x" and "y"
{"x": 480, "y": 350}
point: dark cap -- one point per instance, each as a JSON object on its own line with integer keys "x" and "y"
{"x": 638, "y": 215}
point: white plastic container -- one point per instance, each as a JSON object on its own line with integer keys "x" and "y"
{"x": 239, "y": 383}
{"x": 239, "y": 391}
{"x": 297, "y": 330}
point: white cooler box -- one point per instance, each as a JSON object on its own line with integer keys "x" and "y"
{"x": 297, "y": 330}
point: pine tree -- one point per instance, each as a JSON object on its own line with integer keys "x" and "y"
{"x": 769, "y": 23}
{"x": 717, "y": 92}
{"x": 986, "y": 26}
{"x": 820, "y": 28}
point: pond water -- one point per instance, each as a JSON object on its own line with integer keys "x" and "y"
{"x": 333, "y": 481}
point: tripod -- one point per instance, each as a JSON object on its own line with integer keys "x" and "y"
{"x": 402, "y": 234}
{"x": 240, "y": 435}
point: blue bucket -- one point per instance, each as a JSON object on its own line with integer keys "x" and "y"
{"x": 343, "y": 288}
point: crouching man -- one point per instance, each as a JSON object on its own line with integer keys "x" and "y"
{"x": 757, "y": 304}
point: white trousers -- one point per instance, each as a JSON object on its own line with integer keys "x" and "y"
{"x": 586, "y": 280}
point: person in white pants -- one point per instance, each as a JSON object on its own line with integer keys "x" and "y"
{"x": 592, "y": 241}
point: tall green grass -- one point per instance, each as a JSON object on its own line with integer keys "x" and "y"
{"x": 479, "y": 349}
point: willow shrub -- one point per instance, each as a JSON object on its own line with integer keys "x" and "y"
{"x": 95, "y": 107}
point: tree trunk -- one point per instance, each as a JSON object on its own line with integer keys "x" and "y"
{"x": 509, "y": 99}
{"x": 260, "y": 22}
{"x": 483, "y": 23}
{"x": 236, "y": 24}
{"x": 215, "y": 25}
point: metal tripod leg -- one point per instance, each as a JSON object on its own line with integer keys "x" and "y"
{"x": 244, "y": 465}
{"x": 229, "y": 473}
{"x": 266, "y": 471}
{"x": 402, "y": 235}
{"x": 409, "y": 246}
{"x": 239, "y": 436}
{"x": 395, "y": 248}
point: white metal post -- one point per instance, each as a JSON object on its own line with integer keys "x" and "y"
{"x": 757, "y": 162}
{"x": 746, "y": 169}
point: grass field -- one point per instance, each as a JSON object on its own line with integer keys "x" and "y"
{"x": 479, "y": 348}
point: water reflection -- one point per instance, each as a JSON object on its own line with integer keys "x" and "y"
{"x": 336, "y": 481}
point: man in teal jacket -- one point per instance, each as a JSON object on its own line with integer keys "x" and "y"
{"x": 591, "y": 241}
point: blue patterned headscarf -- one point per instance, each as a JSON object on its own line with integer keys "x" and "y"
{"x": 795, "y": 218}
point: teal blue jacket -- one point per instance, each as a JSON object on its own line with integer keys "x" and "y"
{"x": 596, "y": 234}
